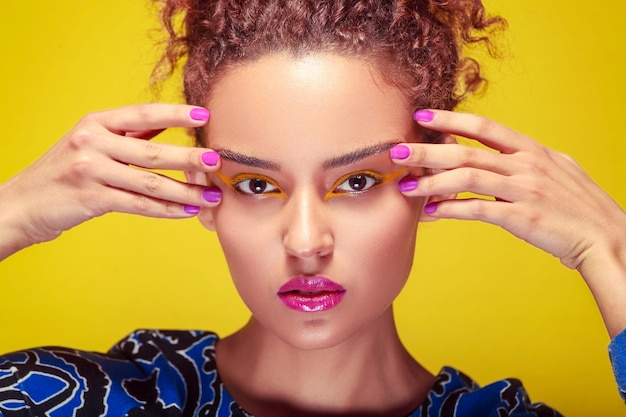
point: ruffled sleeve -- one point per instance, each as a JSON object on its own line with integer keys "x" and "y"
{"x": 617, "y": 353}
{"x": 150, "y": 372}
{"x": 454, "y": 394}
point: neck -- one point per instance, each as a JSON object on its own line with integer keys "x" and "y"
{"x": 370, "y": 373}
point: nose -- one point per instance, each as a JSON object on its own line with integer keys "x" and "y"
{"x": 307, "y": 230}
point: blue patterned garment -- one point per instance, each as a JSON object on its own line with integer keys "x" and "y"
{"x": 173, "y": 374}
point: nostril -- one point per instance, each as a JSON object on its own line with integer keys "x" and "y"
{"x": 321, "y": 250}
{"x": 307, "y": 231}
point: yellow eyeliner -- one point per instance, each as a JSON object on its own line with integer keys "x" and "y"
{"x": 381, "y": 178}
{"x": 237, "y": 179}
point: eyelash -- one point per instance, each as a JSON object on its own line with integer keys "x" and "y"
{"x": 236, "y": 182}
{"x": 366, "y": 176}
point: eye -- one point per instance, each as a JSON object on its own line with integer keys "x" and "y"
{"x": 253, "y": 184}
{"x": 360, "y": 182}
{"x": 355, "y": 183}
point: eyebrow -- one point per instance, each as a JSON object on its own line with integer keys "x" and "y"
{"x": 358, "y": 155}
{"x": 248, "y": 160}
{"x": 335, "y": 162}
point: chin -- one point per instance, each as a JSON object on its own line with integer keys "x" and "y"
{"x": 312, "y": 334}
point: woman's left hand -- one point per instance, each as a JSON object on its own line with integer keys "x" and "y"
{"x": 539, "y": 195}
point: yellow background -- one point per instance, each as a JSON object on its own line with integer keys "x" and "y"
{"x": 479, "y": 299}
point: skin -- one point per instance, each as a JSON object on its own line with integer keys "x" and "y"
{"x": 299, "y": 114}
{"x": 89, "y": 172}
{"x": 534, "y": 189}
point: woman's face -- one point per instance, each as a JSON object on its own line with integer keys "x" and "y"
{"x": 318, "y": 239}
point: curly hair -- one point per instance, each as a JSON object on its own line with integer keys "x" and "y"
{"x": 416, "y": 45}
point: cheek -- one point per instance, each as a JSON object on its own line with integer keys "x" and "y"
{"x": 246, "y": 232}
{"x": 379, "y": 237}
{"x": 385, "y": 223}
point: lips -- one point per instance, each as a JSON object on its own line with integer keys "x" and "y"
{"x": 311, "y": 294}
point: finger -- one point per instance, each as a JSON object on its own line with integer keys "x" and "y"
{"x": 485, "y": 131}
{"x": 465, "y": 180}
{"x": 151, "y": 184}
{"x": 488, "y": 211}
{"x": 144, "y": 134}
{"x": 154, "y": 155}
{"x": 123, "y": 201}
{"x": 153, "y": 116}
{"x": 521, "y": 222}
{"x": 450, "y": 156}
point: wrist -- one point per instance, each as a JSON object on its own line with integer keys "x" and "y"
{"x": 14, "y": 234}
{"x": 604, "y": 271}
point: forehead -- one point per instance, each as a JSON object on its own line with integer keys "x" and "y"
{"x": 282, "y": 106}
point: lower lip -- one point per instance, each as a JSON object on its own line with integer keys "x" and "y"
{"x": 311, "y": 303}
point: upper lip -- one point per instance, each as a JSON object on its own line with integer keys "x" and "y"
{"x": 310, "y": 284}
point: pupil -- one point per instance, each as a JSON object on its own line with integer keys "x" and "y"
{"x": 358, "y": 182}
{"x": 258, "y": 186}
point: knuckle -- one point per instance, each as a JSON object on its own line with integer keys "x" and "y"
{"x": 144, "y": 112}
{"x": 535, "y": 190}
{"x": 538, "y": 152}
{"x": 533, "y": 164}
{"x": 141, "y": 204}
{"x": 153, "y": 150}
{"x": 194, "y": 157}
{"x": 152, "y": 182}
{"x": 193, "y": 194}
{"x": 92, "y": 202}
{"x": 466, "y": 156}
{"x": 570, "y": 159}
{"x": 540, "y": 172}
{"x": 81, "y": 167}
{"x": 82, "y": 138}
{"x": 477, "y": 209}
{"x": 428, "y": 183}
{"x": 419, "y": 154}
{"x": 529, "y": 221}
{"x": 88, "y": 118}
{"x": 470, "y": 178}
{"x": 96, "y": 209}
{"x": 483, "y": 126}
{"x": 171, "y": 209}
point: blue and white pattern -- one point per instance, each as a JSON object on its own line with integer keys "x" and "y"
{"x": 173, "y": 374}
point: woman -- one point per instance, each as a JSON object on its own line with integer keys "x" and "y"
{"x": 316, "y": 182}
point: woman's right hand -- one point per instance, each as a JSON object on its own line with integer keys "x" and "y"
{"x": 93, "y": 170}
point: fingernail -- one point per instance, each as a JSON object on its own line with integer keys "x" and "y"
{"x": 210, "y": 158}
{"x": 400, "y": 152}
{"x": 430, "y": 208}
{"x": 407, "y": 184}
{"x": 212, "y": 195}
{"x": 424, "y": 116}
{"x": 199, "y": 114}
{"x": 192, "y": 209}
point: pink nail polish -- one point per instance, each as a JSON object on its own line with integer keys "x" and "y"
{"x": 199, "y": 114}
{"x": 212, "y": 195}
{"x": 192, "y": 209}
{"x": 210, "y": 158}
{"x": 400, "y": 152}
{"x": 424, "y": 116}
{"x": 407, "y": 184}
{"x": 430, "y": 208}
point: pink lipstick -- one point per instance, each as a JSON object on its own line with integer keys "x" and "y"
{"x": 311, "y": 294}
